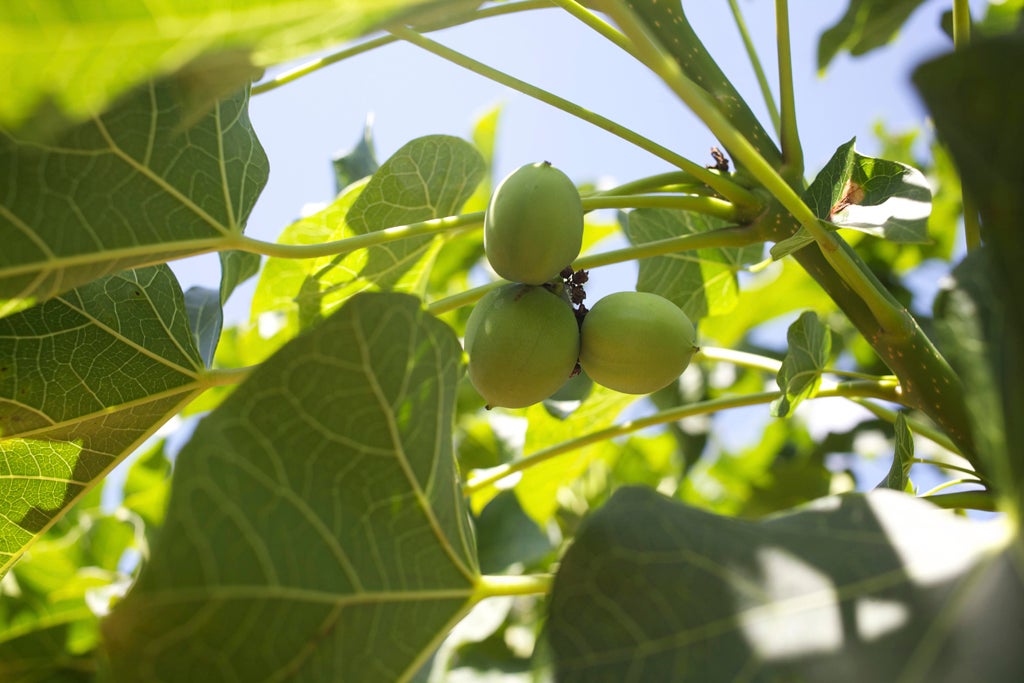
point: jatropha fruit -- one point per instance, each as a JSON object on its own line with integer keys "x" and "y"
{"x": 533, "y": 226}
{"x": 522, "y": 342}
{"x": 636, "y": 342}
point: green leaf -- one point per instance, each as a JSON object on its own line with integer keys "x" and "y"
{"x": 64, "y": 56}
{"x": 702, "y": 282}
{"x": 205, "y": 317}
{"x": 358, "y": 162}
{"x": 867, "y": 24}
{"x": 84, "y": 379}
{"x": 131, "y": 187}
{"x": 887, "y": 199}
{"x": 316, "y": 529}
{"x": 875, "y": 587}
{"x": 810, "y": 344}
{"x": 430, "y": 177}
{"x": 898, "y": 478}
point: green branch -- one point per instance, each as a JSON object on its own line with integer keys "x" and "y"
{"x": 755, "y": 62}
{"x": 745, "y": 200}
{"x": 709, "y": 206}
{"x": 792, "y": 152}
{"x": 661, "y": 182}
{"x": 380, "y": 41}
{"x": 491, "y": 476}
{"x": 720, "y": 237}
{"x": 488, "y": 586}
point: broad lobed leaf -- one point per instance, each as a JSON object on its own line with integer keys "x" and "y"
{"x": 85, "y": 378}
{"x": 75, "y": 57}
{"x": 316, "y": 528}
{"x": 875, "y": 587}
{"x": 137, "y": 185}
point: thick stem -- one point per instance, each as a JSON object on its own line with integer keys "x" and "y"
{"x": 489, "y": 586}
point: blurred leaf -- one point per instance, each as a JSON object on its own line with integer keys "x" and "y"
{"x": 147, "y": 484}
{"x": 810, "y": 345}
{"x": 976, "y": 102}
{"x": 506, "y": 536}
{"x": 119, "y": 362}
{"x": 62, "y": 56}
{"x": 783, "y": 468}
{"x": 867, "y": 24}
{"x": 128, "y": 188}
{"x": 316, "y": 530}
{"x": 205, "y": 317}
{"x": 898, "y": 478}
{"x": 875, "y": 587}
{"x": 358, "y": 162}
{"x": 702, "y": 282}
{"x": 883, "y": 198}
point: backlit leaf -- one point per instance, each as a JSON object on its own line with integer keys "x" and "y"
{"x": 316, "y": 529}
{"x": 810, "y": 344}
{"x": 875, "y": 587}
{"x": 867, "y": 24}
{"x": 84, "y": 379}
{"x": 131, "y": 187}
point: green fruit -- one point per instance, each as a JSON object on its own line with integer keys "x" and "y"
{"x": 522, "y": 343}
{"x": 635, "y": 342}
{"x": 533, "y": 227}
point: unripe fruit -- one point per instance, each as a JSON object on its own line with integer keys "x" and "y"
{"x": 533, "y": 226}
{"x": 635, "y": 342}
{"x": 522, "y": 343}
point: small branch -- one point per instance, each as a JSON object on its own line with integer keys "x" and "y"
{"x": 740, "y": 358}
{"x": 654, "y": 183}
{"x": 709, "y": 206}
{"x": 492, "y": 585}
{"x": 916, "y": 426}
{"x": 370, "y": 239}
{"x": 755, "y": 62}
{"x": 224, "y": 377}
{"x": 380, "y": 41}
{"x": 733, "y": 236}
{"x": 792, "y": 152}
{"x": 948, "y": 484}
{"x": 738, "y": 195}
{"x": 480, "y": 481}
{"x": 947, "y": 466}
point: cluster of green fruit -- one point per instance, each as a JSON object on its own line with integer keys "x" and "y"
{"x": 524, "y": 340}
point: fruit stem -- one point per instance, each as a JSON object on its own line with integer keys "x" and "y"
{"x": 755, "y": 62}
{"x": 744, "y": 199}
{"x": 492, "y": 585}
{"x": 709, "y": 206}
{"x": 732, "y": 236}
{"x": 353, "y": 50}
{"x": 654, "y": 183}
